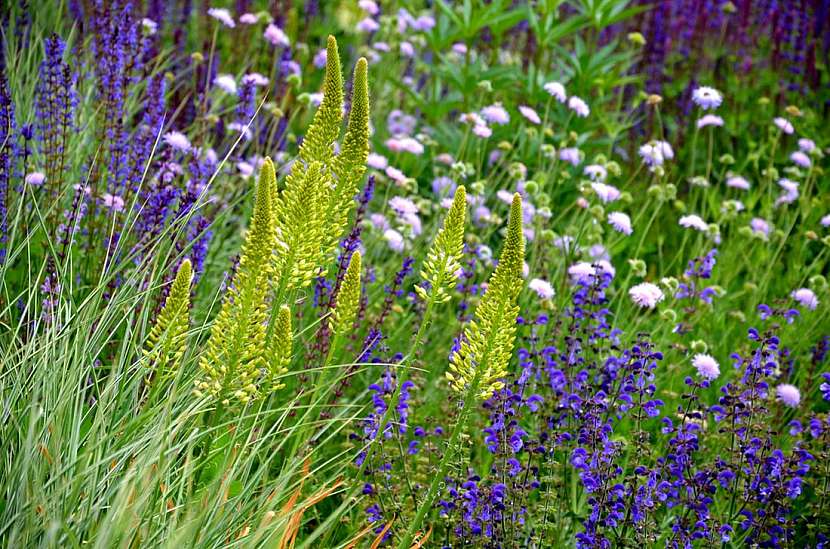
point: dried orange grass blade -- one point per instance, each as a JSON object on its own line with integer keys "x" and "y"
{"x": 379, "y": 538}
{"x": 420, "y": 542}
{"x": 292, "y": 528}
{"x": 353, "y": 542}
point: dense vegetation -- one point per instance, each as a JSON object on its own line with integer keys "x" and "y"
{"x": 515, "y": 274}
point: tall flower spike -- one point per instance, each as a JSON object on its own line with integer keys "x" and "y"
{"x": 313, "y": 210}
{"x": 350, "y": 165}
{"x": 348, "y": 300}
{"x": 487, "y": 342}
{"x": 279, "y": 349}
{"x": 325, "y": 127}
{"x": 444, "y": 257}
{"x": 235, "y": 354}
{"x": 168, "y": 337}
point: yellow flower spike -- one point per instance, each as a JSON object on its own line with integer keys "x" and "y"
{"x": 444, "y": 257}
{"x": 487, "y": 342}
{"x": 279, "y": 349}
{"x": 325, "y": 127}
{"x": 348, "y": 299}
{"x": 168, "y": 337}
{"x": 235, "y": 354}
{"x": 350, "y": 165}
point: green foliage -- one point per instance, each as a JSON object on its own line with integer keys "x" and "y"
{"x": 235, "y": 354}
{"x": 487, "y": 343}
{"x": 167, "y": 341}
{"x": 444, "y": 257}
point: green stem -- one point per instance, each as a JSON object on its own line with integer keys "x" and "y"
{"x": 469, "y": 397}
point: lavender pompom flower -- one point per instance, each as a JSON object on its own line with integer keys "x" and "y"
{"x": 646, "y": 295}
{"x": 707, "y": 367}
{"x": 707, "y": 98}
{"x": 788, "y": 394}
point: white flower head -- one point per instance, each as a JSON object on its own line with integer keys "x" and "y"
{"x": 801, "y": 159}
{"x": 784, "y": 125}
{"x": 223, "y": 15}
{"x": 578, "y": 106}
{"x": 707, "y": 98}
{"x": 225, "y": 82}
{"x": 557, "y": 90}
{"x": 806, "y": 298}
{"x": 177, "y": 140}
{"x": 646, "y": 295}
{"x": 707, "y": 367}
{"x": 595, "y": 172}
{"x": 542, "y": 288}
{"x": 530, "y": 114}
{"x": 709, "y": 120}
{"x": 276, "y": 36}
{"x": 693, "y": 222}
{"x": 495, "y": 114}
{"x": 621, "y": 222}
{"x": 737, "y": 182}
{"x": 606, "y": 193}
{"x": 788, "y": 394}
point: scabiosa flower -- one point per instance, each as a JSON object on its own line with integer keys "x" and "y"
{"x": 621, "y": 222}
{"x": 530, "y": 114}
{"x": 113, "y": 202}
{"x": 646, "y": 295}
{"x": 790, "y": 193}
{"x": 760, "y": 227}
{"x": 595, "y": 172}
{"x": 495, "y": 114}
{"x": 806, "y": 298}
{"x": 542, "y": 288}
{"x": 707, "y": 98}
{"x": 710, "y": 120}
{"x": 377, "y": 161}
{"x": 222, "y": 15}
{"x": 825, "y": 221}
{"x": 395, "y": 174}
{"x": 651, "y": 154}
{"x": 557, "y": 90}
{"x": 405, "y": 144}
{"x": 806, "y": 145}
{"x": 788, "y": 394}
{"x": 737, "y": 182}
{"x": 35, "y": 179}
{"x": 693, "y": 222}
{"x": 368, "y": 25}
{"x": 394, "y": 239}
{"x": 225, "y": 82}
{"x": 482, "y": 131}
{"x": 784, "y": 125}
{"x": 801, "y": 159}
{"x": 707, "y": 367}
{"x": 276, "y": 36}
{"x": 570, "y": 155}
{"x": 177, "y": 140}
{"x": 606, "y": 193}
{"x": 578, "y": 106}
{"x": 369, "y": 6}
